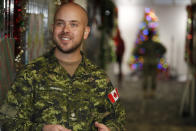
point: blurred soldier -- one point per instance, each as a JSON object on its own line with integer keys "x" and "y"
{"x": 62, "y": 90}
{"x": 151, "y": 52}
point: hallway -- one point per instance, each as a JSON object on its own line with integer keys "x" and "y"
{"x": 161, "y": 113}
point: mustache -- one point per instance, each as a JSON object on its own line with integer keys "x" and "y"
{"x": 64, "y": 34}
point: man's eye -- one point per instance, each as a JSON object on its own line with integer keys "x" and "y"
{"x": 74, "y": 25}
{"x": 59, "y": 24}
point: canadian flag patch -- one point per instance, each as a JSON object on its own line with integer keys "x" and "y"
{"x": 113, "y": 96}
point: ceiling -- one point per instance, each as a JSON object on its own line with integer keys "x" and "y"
{"x": 154, "y": 2}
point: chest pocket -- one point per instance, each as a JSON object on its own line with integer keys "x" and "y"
{"x": 70, "y": 107}
{"x": 51, "y": 105}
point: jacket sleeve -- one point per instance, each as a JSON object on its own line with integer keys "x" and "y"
{"x": 20, "y": 103}
{"x": 112, "y": 114}
{"x": 116, "y": 120}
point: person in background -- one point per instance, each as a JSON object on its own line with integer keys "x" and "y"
{"x": 151, "y": 52}
{"x": 62, "y": 90}
{"x": 120, "y": 47}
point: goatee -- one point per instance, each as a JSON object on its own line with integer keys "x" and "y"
{"x": 73, "y": 49}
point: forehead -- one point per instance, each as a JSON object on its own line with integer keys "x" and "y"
{"x": 71, "y": 12}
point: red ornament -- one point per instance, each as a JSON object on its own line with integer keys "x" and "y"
{"x": 19, "y": 10}
{"x": 5, "y": 36}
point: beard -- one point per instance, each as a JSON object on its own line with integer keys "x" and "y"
{"x": 68, "y": 51}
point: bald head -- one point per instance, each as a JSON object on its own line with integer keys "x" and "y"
{"x": 70, "y": 28}
{"x": 73, "y": 6}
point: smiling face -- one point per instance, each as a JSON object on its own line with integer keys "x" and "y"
{"x": 70, "y": 28}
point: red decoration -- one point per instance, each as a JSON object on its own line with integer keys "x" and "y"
{"x": 19, "y": 10}
{"x": 19, "y": 18}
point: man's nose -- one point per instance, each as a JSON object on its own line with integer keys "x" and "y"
{"x": 66, "y": 28}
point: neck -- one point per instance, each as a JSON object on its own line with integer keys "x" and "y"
{"x": 69, "y": 57}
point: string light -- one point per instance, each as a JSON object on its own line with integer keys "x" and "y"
{"x": 150, "y": 23}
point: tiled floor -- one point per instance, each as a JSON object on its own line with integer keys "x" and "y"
{"x": 160, "y": 113}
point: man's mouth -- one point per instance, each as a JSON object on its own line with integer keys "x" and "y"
{"x": 65, "y": 38}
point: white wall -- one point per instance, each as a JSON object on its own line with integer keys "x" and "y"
{"x": 172, "y": 30}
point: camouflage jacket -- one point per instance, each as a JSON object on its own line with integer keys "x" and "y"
{"x": 44, "y": 93}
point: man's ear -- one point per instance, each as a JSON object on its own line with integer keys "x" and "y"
{"x": 86, "y": 32}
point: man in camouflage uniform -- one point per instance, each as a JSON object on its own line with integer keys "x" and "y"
{"x": 151, "y": 52}
{"x": 62, "y": 90}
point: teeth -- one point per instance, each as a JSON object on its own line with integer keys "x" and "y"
{"x": 66, "y": 38}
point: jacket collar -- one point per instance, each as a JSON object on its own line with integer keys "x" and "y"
{"x": 54, "y": 65}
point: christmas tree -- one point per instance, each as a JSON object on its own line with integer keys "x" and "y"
{"x": 150, "y": 22}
